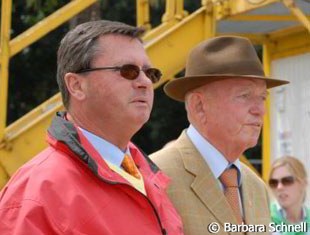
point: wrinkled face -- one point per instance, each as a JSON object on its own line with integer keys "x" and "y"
{"x": 288, "y": 195}
{"x": 117, "y": 100}
{"x": 234, "y": 111}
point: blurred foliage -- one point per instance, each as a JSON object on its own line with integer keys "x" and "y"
{"x": 33, "y": 71}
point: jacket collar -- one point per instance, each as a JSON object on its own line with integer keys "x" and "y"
{"x": 64, "y": 135}
{"x": 205, "y": 184}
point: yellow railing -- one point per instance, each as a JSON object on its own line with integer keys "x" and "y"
{"x": 5, "y": 52}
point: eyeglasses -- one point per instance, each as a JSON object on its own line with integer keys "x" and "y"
{"x": 130, "y": 71}
{"x": 285, "y": 181}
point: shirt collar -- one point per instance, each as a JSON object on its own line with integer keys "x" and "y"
{"x": 213, "y": 157}
{"x": 284, "y": 215}
{"x": 108, "y": 151}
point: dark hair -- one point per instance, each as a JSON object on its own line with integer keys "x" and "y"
{"x": 79, "y": 47}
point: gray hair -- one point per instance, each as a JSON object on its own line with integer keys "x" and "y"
{"x": 79, "y": 47}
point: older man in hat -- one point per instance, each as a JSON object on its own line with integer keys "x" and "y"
{"x": 224, "y": 91}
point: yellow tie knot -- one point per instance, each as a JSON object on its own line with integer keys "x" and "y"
{"x": 130, "y": 167}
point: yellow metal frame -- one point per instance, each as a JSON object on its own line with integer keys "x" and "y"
{"x": 302, "y": 18}
{"x": 143, "y": 13}
{"x": 10, "y": 48}
{"x": 209, "y": 19}
{"x": 48, "y": 24}
{"x": 22, "y": 135}
{"x": 278, "y": 46}
{"x": 8, "y": 163}
{"x": 266, "y": 128}
{"x": 4, "y": 177}
{"x": 167, "y": 45}
{"x": 228, "y": 8}
{"x": 265, "y": 18}
{"x": 282, "y": 42}
{"x": 5, "y": 49}
{"x": 174, "y": 13}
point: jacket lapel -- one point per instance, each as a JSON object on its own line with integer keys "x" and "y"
{"x": 205, "y": 185}
{"x": 247, "y": 199}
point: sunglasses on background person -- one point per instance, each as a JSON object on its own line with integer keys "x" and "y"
{"x": 130, "y": 71}
{"x": 285, "y": 181}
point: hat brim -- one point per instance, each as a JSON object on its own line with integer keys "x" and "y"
{"x": 177, "y": 88}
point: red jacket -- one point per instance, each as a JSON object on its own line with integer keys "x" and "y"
{"x": 69, "y": 189}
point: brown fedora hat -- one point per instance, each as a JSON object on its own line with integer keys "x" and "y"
{"x": 216, "y": 59}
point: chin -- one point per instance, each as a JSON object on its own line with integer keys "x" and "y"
{"x": 249, "y": 144}
{"x": 252, "y": 141}
{"x": 252, "y": 144}
{"x": 141, "y": 119}
{"x": 285, "y": 205}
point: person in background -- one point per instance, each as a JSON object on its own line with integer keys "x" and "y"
{"x": 91, "y": 179}
{"x": 288, "y": 182}
{"x": 224, "y": 90}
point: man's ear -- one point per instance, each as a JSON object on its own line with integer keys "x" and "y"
{"x": 196, "y": 107}
{"x": 74, "y": 85}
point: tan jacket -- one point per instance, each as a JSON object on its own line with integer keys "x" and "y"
{"x": 197, "y": 195}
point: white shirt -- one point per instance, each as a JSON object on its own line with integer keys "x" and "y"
{"x": 213, "y": 157}
{"x": 109, "y": 152}
{"x": 113, "y": 156}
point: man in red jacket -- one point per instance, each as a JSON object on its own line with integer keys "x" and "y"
{"x": 92, "y": 179}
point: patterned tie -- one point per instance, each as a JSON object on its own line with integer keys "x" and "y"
{"x": 230, "y": 182}
{"x": 130, "y": 167}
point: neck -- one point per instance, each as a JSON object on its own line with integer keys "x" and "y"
{"x": 230, "y": 152}
{"x": 294, "y": 214}
{"x": 111, "y": 132}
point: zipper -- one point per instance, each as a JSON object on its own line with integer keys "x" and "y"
{"x": 164, "y": 232}
{"x": 162, "y": 229}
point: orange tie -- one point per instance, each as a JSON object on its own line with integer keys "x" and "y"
{"x": 230, "y": 182}
{"x": 130, "y": 167}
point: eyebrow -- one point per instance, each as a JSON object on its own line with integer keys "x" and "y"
{"x": 246, "y": 87}
{"x": 122, "y": 62}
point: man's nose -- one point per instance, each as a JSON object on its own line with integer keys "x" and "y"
{"x": 142, "y": 81}
{"x": 258, "y": 107}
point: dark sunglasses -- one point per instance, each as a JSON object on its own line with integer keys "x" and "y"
{"x": 130, "y": 71}
{"x": 285, "y": 181}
